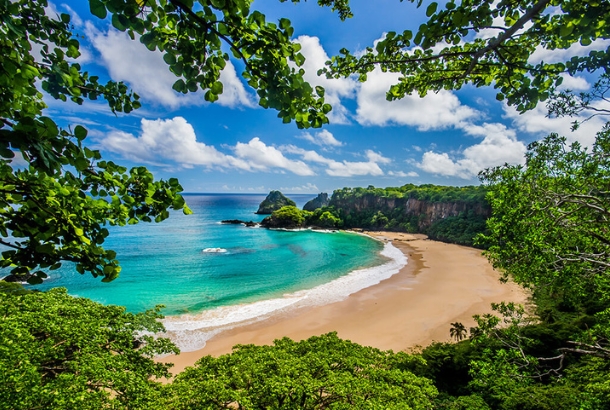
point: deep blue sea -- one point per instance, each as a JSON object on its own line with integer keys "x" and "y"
{"x": 211, "y": 276}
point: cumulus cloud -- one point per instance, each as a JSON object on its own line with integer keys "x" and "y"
{"x": 554, "y": 56}
{"x": 172, "y": 139}
{"x": 321, "y": 138}
{"x": 435, "y": 111}
{"x": 335, "y": 89}
{"x": 309, "y": 187}
{"x": 403, "y": 174}
{"x": 538, "y": 123}
{"x": 341, "y": 168}
{"x": 146, "y": 72}
{"x": 262, "y": 157}
{"x": 376, "y": 157}
{"x": 499, "y": 146}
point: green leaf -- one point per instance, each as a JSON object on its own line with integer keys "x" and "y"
{"x": 81, "y": 164}
{"x": 179, "y": 86}
{"x": 80, "y": 132}
{"x": 431, "y": 9}
{"x": 217, "y": 88}
{"x": 169, "y": 58}
{"x": 97, "y": 8}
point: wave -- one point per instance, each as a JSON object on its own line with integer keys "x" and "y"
{"x": 191, "y": 331}
{"x": 214, "y": 250}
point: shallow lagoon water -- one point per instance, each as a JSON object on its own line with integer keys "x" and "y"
{"x": 211, "y": 276}
{"x": 192, "y": 263}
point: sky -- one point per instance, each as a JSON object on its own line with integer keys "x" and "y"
{"x": 234, "y": 145}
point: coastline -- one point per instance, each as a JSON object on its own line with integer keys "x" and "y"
{"x": 441, "y": 283}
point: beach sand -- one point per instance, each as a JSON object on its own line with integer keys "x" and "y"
{"x": 442, "y": 283}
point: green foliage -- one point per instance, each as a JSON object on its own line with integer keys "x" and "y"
{"x": 461, "y": 229}
{"x": 59, "y": 206}
{"x": 446, "y": 53}
{"x": 58, "y": 352}
{"x": 549, "y": 232}
{"x": 198, "y": 37}
{"x": 561, "y": 200}
{"x": 321, "y": 372}
{"x": 399, "y": 209}
{"x": 289, "y": 216}
{"x": 326, "y": 217}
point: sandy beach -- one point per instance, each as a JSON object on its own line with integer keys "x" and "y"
{"x": 442, "y": 283}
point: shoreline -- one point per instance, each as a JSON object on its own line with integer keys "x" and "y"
{"x": 440, "y": 284}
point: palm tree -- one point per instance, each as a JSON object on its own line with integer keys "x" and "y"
{"x": 458, "y": 331}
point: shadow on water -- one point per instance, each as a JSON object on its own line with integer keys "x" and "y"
{"x": 297, "y": 250}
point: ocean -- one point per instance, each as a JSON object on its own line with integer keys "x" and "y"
{"x": 212, "y": 276}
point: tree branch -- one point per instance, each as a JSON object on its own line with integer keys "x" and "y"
{"x": 493, "y": 44}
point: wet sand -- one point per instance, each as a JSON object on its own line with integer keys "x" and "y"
{"x": 441, "y": 283}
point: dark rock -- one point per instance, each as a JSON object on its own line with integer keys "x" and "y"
{"x": 320, "y": 201}
{"x": 17, "y": 278}
{"x": 274, "y": 201}
{"x": 239, "y": 222}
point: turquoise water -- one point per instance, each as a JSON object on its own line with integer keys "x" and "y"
{"x": 165, "y": 263}
{"x": 258, "y": 272}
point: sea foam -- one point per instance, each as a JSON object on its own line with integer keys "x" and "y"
{"x": 191, "y": 331}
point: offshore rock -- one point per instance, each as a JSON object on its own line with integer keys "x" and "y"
{"x": 239, "y": 222}
{"x": 320, "y": 201}
{"x": 274, "y": 201}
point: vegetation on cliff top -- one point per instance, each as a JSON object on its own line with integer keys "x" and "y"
{"x": 459, "y": 212}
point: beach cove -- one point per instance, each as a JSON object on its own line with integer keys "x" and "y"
{"x": 441, "y": 283}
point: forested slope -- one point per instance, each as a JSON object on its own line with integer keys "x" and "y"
{"x": 451, "y": 214}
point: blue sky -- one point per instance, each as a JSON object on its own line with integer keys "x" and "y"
{"x": 235, "y": 146}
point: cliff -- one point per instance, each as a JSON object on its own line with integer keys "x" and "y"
{"x": 274, "y": 201}
{"x": 451, "y": 214}
{"x": 318, "y": 202}
{"x": 425, "y": 212}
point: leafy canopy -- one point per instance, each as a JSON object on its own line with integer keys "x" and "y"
{"x": 58, "y": 352}
{"x": 321, "y": 372}
{"x": 487, "y": 43}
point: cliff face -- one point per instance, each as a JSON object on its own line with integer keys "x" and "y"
{"x": 426, "y": 212}
{"x": 318, "y": 202}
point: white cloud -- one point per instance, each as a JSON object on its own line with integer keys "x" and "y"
{"x": 262, "y": 157}
{"x": 146, "y": 72}
{"x": 434, "y": 111}
{"x": 335, "y": 89}
{"x": 174, "y": 140}
{"x": 499, "y": 146}
{"x": 558, "y": 55}
{"x": 321, "y": 138}
{"x": 309, "y": 187}
{"x": 574, "y": 83}
{"x": 403, "y": 174}
{"x": 538, "y": 123}
{"x": 340, "y": 168}
{"x": 234, "y": 94}
{"x": 171, "y": 139}
{"x": 376, "y": 157}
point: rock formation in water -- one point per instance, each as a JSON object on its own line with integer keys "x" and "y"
{"x": 318, "y": 202}
{"x": 274, "y": 201}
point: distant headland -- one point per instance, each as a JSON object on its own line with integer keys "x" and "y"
{"x": 444, "y": 213}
